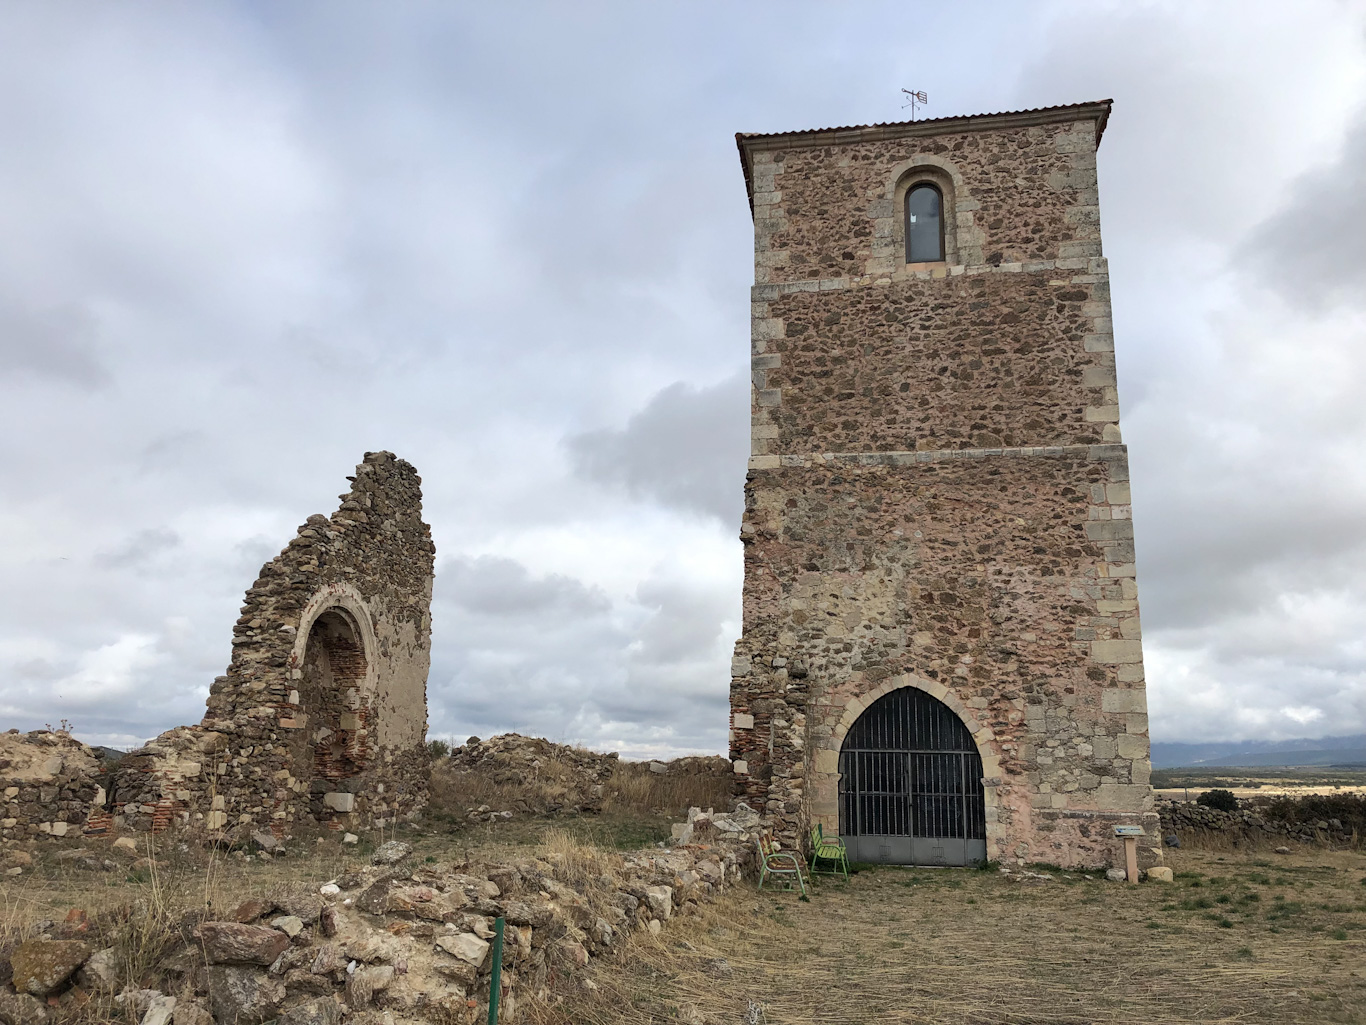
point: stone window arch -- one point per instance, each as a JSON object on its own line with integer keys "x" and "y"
{"x": 915, "y": 185}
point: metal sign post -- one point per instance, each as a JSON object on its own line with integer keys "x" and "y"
{"x": 1130, "y": 835}
{"x": 496, "y": 981}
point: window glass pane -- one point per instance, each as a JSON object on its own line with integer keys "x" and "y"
{"x": 924, "y": 239}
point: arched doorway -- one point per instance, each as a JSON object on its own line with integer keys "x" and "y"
{"x": 336, "y": 744}
{"x": 910, "y": 790}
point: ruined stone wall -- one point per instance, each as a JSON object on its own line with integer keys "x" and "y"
{"x": 321, "y": 716}
{"x": 49, "y": 783}
{"x": 937, "y": 496}
{"x": 395, "y": 941}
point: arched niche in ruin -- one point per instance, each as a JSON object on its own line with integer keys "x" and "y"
{"x": 330, "y": 689}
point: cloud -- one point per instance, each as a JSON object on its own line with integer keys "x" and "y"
{"x": 1312, "y": 249}
{"x": 685, "y": 449}
{"x": 492, "y": 586}
{"x": 55, "y": 343}
{"x": 142, "y": 548}
{"x": 244, "y": 244}
{"x": 553, "y": 656}
{"x": 1240, "y": 412}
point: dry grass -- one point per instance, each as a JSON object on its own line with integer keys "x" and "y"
{"x": 184, "y": 878}
{"x": 1236, "y": 938}
{"x": 452, "y": 792}
{"x": 1241, "y": 936}
{"x": 1187, "y": 784}
{"x": 576, "y": 863}
{"x": 634, "y": 788}
{"x": 141, "y": 913}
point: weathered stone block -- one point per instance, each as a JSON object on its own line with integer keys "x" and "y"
{"x": 1123, "y": 796}
{"x": 243, "y": 996}
{"x": 41, "y": 966}
{"x": 466, "y": 946}
{"x": 1131, "y": 745}
{"x": 340, "y": 802}
{"x": 1116, "y": 652}
{"x": 1120, "y": 700}
{"x": 235, "y": 943}
{"x": 1109, "y": 530}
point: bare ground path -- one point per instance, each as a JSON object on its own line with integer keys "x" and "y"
{"x": 1237, "y": 938}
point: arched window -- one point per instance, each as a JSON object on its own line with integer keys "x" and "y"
{"x": 924, "y": 224}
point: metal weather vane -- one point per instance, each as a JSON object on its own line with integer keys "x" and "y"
{"x": 918, "y": 98}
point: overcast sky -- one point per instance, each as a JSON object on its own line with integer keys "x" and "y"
{"x": 242, "y": 244}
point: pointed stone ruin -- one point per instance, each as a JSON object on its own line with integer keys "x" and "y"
{"x": 321, "y": 718}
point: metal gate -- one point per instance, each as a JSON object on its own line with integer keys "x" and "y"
{"x": 911, "y": 785}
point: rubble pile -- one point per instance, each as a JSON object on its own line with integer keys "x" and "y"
{"x": 741, "y": 826}
{"x": 395, "y": 942}
{"x": 491, "y": 780}
{"x": 513, "y": 773}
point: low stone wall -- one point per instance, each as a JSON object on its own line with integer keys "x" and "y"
{"x": 1185, "y": 819}
{"x": 50, "y": 782}
{"x": 713, "y": 766}
{"x": 395, "y": 942}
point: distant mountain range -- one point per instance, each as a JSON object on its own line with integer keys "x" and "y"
{"x": 1323, "y": 751}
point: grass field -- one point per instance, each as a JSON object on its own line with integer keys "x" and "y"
{"x": 1234, "y": 939}
{"x": 1187, "y": 784}
{"x": 1238, "y": 937}
{"x": 191, "y": 877}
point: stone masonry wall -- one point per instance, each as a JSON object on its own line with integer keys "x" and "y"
{"x": 937, "y": 494}
{"x": 321, "y": 716}
{"x": 50, "y": 781}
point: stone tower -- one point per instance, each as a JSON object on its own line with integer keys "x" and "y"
{"x": 941, "y": 655}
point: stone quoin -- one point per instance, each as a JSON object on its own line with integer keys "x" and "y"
{"x": 938, "y": 496}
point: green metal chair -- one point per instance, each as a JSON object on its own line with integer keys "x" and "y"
{"x": 830, "y": 849}
{"x": 781, "y": 864}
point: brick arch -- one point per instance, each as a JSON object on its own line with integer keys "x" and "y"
{"x": 825, "y": 804}
{"x": 347, "y": 600}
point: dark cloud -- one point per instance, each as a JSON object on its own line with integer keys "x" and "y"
{"x": 1239, "y": 415}
{"x": 58, "y": 343}
{"x": 142, "y": 548}
{"x": 685, "y": 449}
{"x": 492, "y": 586}
{"x": 1311, "y": 250}
{"x": 553, "y": 656}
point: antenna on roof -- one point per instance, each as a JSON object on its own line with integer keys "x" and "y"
{"x": 917, "y": 98}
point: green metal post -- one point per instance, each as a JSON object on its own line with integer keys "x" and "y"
{"x": 496, "y": 982}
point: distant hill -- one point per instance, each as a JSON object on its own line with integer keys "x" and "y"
{"x": 1322, "y": 751}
